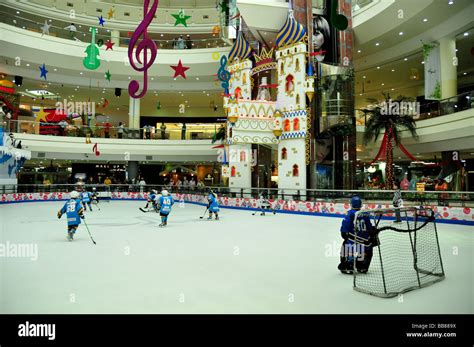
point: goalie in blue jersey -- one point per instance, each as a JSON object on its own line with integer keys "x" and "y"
{"x": 357, "y": 243}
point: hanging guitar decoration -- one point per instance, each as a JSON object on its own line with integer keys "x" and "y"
{"x": 142, "y": 47}
{"x": 92, "y": 61}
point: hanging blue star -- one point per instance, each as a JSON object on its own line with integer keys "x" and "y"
{"x": 101, "y": 20}
{"x": 43, "y": 71}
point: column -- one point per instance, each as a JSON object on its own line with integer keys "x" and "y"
{"x": 134, "y": 113}
{"x": 132, "y": 170}
{"x": 449, "y": 73}
{"x": 115, "y": 37}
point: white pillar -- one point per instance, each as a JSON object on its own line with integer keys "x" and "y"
{"x": 449, "y": 73}
{"x": 115, "y": 37}
{"x": 134, "y": 113}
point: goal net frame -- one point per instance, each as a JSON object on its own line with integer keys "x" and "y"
{"x": 414, "y": 221}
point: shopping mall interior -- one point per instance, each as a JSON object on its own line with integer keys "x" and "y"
{"x": 75, "y": 118}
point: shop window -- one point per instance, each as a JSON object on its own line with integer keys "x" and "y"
{"x": 284, "y": 154}
{"x": 286, "y": 125}
{"x": 296, "y": 124}
{"x": 290, "y": 84}
{"x": 282, "y": 68}
{"x": 297, "y": 68}
{"x": 296, "y": 171}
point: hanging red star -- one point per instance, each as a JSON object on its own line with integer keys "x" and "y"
{"x": 179, "y": 70}
{"x": 108, "y": 45}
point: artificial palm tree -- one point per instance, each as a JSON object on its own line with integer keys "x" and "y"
{"x": 391, "y": 124}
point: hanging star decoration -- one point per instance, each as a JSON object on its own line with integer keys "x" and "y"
{"x": 179, "y": 70}
{"x": 110, "y": 14}
{"x": 181, "y": 18}
{"x": 223, "y": 5}
{"x": 45, "y": 28}
{"x": 108, "y": 45}
{"x": 101, "y": 20}
{"x": 108, "y": 75}
{"x": 43, "y": 71}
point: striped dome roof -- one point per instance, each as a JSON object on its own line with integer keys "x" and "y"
{"x": 241, "y": 49}
{"x": 292, "y": 32}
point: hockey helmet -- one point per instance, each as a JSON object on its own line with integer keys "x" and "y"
{"x": 164, "y": 192}
{"x": 74, "y": 194}
{"x": 356, "y": 202}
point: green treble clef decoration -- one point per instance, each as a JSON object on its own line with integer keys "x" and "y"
{"x": 92, "y": 61}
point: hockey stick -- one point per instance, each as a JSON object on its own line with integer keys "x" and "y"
{"x": 89, "y": 231}
{"x": 207, "y": 208}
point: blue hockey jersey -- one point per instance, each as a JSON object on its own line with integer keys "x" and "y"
{"x": 165, "y": 203}
{"x": 86, "y": 197}
{"x": 73, "y": 211}
{"x": 213, "y": 203}
{"x": 364, "y": 228}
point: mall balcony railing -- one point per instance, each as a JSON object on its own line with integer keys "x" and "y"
{"x": 81, "y": 33}
{"x": 410, "y": 198}
{"x": 102, "y": 131}
{"x": 458, "y": 103}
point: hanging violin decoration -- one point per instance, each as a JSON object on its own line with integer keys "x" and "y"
{"x": 92, "y": 61}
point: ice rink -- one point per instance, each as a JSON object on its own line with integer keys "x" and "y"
{"x": 279, "y": 263}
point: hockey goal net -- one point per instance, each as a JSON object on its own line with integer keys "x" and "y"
{"x": 405, "y": 252}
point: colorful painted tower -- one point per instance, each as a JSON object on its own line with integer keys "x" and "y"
{"x": 293, "y": 86}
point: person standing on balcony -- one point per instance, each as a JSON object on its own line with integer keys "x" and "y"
{"x": 107, "y": 126}
{"x": 72, "y": 31}
{"x": 147, "y": 129}
{"x": 183, "y": 132}
{"x": 120, "y": 130}
{"x": 180, "y": 42}
{"x": 189, "y": 43}
{"x": 163, "y": 130}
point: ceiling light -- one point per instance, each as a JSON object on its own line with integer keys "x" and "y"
{"x": 378, "y": 67}
{"x": 405, "y": 59}
{"x": 358, "y": 51}
{"x": 377, "y": 44}
{"x": 422, "y": 62}
{"x": 465, "y": 73}
{"x": 425, "y": 19}
{"x": 450, "y": 2}
{"x": 393, "y": 89}
{"x": 17, "y": 12}
{"x": 393, "y": 70}
{"x": 55, "y": 69}
{"x": 383, "y": 84}
{"x": 466, "y": 34}
{"x": 400, "y": 33}
{"x": 364, "y": 76}
{"x": 81, "y": 73}
{"x": 197, "y": 78}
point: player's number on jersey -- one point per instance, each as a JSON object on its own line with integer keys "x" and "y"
{"x": 361, "y": 225}
{"x": 71, "y": 207}
{"x": 166, "y": 201}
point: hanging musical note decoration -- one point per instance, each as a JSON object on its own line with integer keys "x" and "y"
{"x": 92, "y": 61}
{"x": 223, "y": 75}
{"x": 144, "y": 46}
{"x": 339, "y": 21}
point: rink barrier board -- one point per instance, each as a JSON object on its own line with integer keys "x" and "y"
{"x": 449, "y": 215}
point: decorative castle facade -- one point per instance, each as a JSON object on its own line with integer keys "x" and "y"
{"x": 284, "y": 122}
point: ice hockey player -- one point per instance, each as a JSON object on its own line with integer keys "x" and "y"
{"x": 164, "y": 204}
{"x": 213, "y": 205}
{"x": 95, "y": 196}
{"x": 86, "y": 199}
{"x": 264, "y": 203}
{"x": 74, "y": 213}
{"x": 152, "y": 200}
{"x": 365, "y": 240}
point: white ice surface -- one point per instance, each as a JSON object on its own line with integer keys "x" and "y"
{"x": 240, "y": 264}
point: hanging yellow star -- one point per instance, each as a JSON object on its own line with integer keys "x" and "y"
{"x": 41, "y": 115}
{"x": 111, "y": 12}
